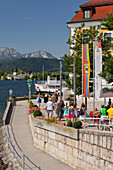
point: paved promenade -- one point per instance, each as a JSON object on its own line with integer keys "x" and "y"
{"x": 20, "y": 133}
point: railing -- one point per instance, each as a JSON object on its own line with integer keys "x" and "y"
{"x": 19, "y": 153}
{"x": 101, "y": 124}
{"x": 15, "y": 149}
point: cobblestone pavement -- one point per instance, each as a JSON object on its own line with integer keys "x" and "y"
{"x": 7, "y": 159}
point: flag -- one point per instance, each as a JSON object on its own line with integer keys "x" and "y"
{"x": 98, "y": 68}
{"x": 86, "y": 69}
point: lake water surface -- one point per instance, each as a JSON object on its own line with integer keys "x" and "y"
{"x": 19, "y": 87}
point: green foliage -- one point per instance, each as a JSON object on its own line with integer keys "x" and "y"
{"x": 107, "y": 71}
{"x": 25, "y": 97}
{"x": 13, "y": 96}
{"x": 82, "y": 36}
{"x": 77, "y": 124}
{"x": 51, "y": 120}
{"x": 37, "y": 113}
{"x": 34, "y": 64}
{"x": 31, "y": 103}
{"x": 108, "y": 23}
{"x": 69, "y": 123}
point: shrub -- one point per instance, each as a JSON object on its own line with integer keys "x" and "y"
{"x": 35, "y": 105}
{"x": 69, "y": 123}
{"x": 77, "y": 124}
{"x": 51, "y": 120}
{"x": 13, "y": 96}
{"x": 31, "y": 104}
{"x": 71, "y": 95}
{"x": 37, "y": 113}
{"x": 25, "y": 97}
{"x": 43, "y": 94}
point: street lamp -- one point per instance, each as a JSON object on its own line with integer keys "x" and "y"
{"x": 29, "y": 82}
{"x": 10, "y": 92}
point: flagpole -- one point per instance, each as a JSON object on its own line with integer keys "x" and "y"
{"x": 93, "y": 78}
{"x": 82, "y": 73}
{"x": 74, "y": 70}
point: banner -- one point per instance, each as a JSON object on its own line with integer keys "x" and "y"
{"x": 86, "y": 69}
{"x": 98, "y": 68}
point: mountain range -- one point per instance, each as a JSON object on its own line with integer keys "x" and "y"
{"x": 11, "y": 54}
{"x": 11, "y": 59}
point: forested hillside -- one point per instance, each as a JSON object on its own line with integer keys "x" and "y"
{"x": 33, "y": 64}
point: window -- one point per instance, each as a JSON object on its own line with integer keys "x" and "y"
{"x": 85, "y": 38}
{"x": 87, "y": 14}
{"x": 107, "y": 35}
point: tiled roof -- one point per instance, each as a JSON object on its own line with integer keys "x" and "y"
{"x": 100, "y": 13}
{"x": 96, "y": 3}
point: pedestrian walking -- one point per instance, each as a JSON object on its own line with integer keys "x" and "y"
{"x": 66, "y": 111}
{"x": 75, "y": 112}
{"x": 82, "y": 111}
{"x": 38, "y": 100}
{"x": 45, "y": 100}
{"x": 70, "y": 112}
{"x": 60, "y": 106}
{"x": 49, "y": 108}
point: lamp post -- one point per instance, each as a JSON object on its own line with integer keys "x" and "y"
{"x": 10, "y": 92}
{"x": 29, "y": 82}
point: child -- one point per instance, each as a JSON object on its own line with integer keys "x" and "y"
{"x": 70, "y": 112}
{"x": 66, "y": 111}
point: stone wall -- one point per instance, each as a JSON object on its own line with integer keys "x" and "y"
{"x": 80, "y": 149}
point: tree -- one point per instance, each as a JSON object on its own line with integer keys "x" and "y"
{"x": 107, "y": 71}
{"x": 82, "y": 36}
{"x": 107, "y": 23}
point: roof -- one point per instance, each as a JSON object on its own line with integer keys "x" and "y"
{"x": 99, "y": 12}
{"x": 96, "y": 3}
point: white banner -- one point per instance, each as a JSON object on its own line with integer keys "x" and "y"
{"x": 98, "y": 68}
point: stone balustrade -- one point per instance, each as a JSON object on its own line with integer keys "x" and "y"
{"x": 84, "y": 149}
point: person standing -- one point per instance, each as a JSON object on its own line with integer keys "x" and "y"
{"x": 53, "y": 98}
{"x": 66, "y": 111}
{"x": 45, "y": 100}
{"x": 70, "y": 112}
{"x": 38, "y": 100}
{"x": 49, "y": 108}
{"x": 60, "y": 106}
{"x": 75, "y": 112}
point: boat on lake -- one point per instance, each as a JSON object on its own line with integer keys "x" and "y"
{"x": 50, "y": 86}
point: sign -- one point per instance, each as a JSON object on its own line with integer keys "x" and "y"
{"x": 98, "y": 68}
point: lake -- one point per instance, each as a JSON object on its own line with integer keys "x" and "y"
{"x": 19, "y": 87}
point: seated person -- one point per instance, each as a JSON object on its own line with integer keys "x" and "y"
{"x": 110, "y": 113}
{"x": 96, "y": 112}
{"x": 102, "y": 111}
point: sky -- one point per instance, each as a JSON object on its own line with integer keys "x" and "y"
{"x": 33, "y": 25}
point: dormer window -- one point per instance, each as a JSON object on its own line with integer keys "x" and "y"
{"x": 87, "y": 14}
